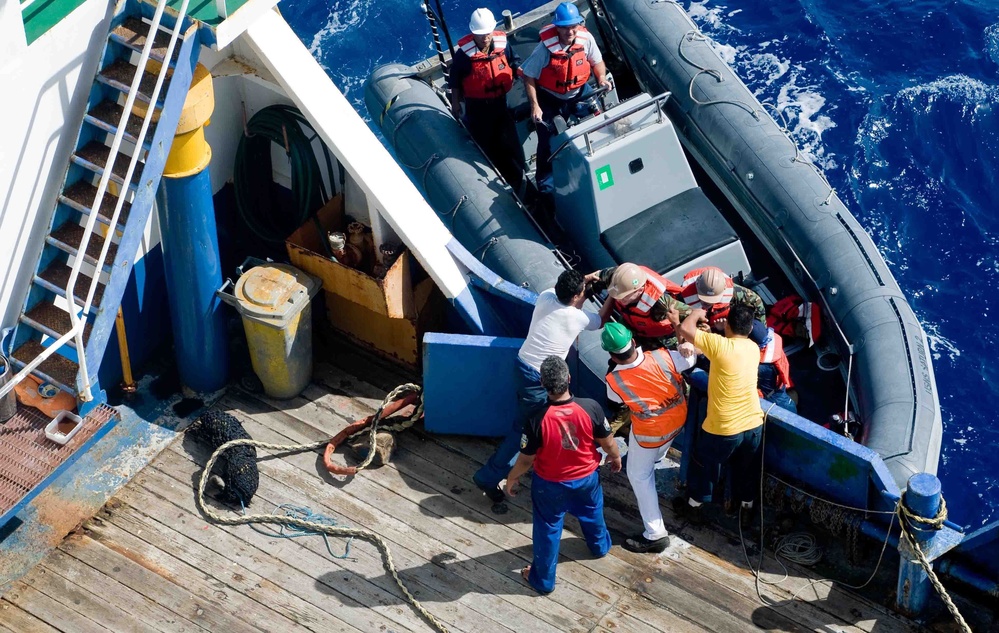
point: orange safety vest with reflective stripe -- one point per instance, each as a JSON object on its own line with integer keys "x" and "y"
{"x": 491, "y": 74}
{"x": 637, "y": 317}
{"x": 773, "y": 353}
{"x": 567, "y": 69}
{"x": 688, "y": 291}
{"x": 653, "y": 392}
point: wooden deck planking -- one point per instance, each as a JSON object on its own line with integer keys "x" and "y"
{"x": 161, "y": 568}
{"x": 13, "y": 619}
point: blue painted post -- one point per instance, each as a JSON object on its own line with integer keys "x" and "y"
{"x": 190, "y": 247}
{"x": 922, "y": 498}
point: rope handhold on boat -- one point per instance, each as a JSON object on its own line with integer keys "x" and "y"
{"x": 400, "y": 398}
{"x": 391, "y": 404}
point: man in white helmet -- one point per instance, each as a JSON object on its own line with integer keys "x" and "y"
{"x": 482, "y": 72}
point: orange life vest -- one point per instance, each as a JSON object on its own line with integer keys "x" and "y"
{"x": 637, "y": 316}
{"x": 653, "y": 392}
{"x": 688, "y": 290}
{"x": 773, "y": 353}
{"x": 567, "y": 69}
{"x": 793, "y": 316}
{"x": 491, "y": 74}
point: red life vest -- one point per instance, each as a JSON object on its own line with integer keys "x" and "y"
{"x": 568, "y": 450}
{"x": 491, "y": 74}
{"x": 637, "y": 317}
{"x": 773, "y": 353}
{"x": 567, "y": 69}
{"x": 795, "y": 317}
{"x": 688, "y": 290}
{"x": 653, "y": 391}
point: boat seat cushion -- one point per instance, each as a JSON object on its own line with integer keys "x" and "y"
{"x": 670, "y": 233}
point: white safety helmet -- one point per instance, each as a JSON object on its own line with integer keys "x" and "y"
{"x": 483, "y": 22}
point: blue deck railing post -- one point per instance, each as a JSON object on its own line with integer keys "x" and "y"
{"x": 922, "y": 498}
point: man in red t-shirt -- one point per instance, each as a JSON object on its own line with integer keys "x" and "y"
{"x": 560, "y": 441}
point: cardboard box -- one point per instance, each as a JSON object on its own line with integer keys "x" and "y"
{"x": 387, "y": 315}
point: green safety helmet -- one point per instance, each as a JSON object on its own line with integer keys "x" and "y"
{"x": 615, "y": 338}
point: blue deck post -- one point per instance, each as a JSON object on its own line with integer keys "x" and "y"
{"x": 922, "y": 498}
{"x": 190, "y": 247}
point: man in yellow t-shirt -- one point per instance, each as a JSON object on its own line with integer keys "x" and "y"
{"x": 733, "y": 429}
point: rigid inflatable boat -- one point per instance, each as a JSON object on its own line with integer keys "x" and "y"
{"x": 681, "y": 150}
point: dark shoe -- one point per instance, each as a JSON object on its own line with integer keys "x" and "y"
{"x": 640, "y": 545}
{"x": 494, "y": 493}
{"x": 683, "y": 509}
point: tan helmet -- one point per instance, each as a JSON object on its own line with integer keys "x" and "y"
{"x": 626, "y": 278}
{"x": 711, "y": 285}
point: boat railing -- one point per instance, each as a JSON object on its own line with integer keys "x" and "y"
{"x": 78, "y": 321}
{"x": 585, "y": 134}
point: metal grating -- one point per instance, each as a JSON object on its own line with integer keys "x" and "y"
{"x": 27, "y": 457}
{"x": 96, "y": 153}
{"x": 57, "y": 367}
{"x": 133, "y": 32}
{"x": 82, "y": 193}
{"x": 57, "y": 274}
{"x": 70, "y": 235}
{"x": 56, "y": 319}
{"x": 110, "y": 113}
{"x": 119, "y": 76}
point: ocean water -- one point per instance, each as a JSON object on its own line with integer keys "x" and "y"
{"x": 898, "y": 102}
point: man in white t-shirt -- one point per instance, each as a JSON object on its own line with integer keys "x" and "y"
{"x": 556, "y": 322}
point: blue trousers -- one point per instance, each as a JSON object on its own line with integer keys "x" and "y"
{"x": 530, "y": 397}
{"x": 740, "y": 452}
{"x": 781, "y": 399}
{"x": 551, "y": 107}
{"x": 584, "y": 499}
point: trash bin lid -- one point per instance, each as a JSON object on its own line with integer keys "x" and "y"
{"x": 274, "y": 291}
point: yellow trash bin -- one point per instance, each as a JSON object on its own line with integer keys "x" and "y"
{"x": 275, "y": 302}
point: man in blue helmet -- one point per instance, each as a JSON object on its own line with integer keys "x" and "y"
{"x": 555, "y": 77}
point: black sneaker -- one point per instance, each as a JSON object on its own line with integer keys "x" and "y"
{"x": 683, "y": 509}
{"x": 494, "y": 493}
{"x": 641, "y": 545}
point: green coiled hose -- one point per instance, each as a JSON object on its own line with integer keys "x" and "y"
{"x": 253, "y": 173}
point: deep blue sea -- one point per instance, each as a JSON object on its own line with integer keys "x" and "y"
{"x": 897, "y": 100}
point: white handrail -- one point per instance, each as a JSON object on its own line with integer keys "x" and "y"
{"x": 78, "y": 324}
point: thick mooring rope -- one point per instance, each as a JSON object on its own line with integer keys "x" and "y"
{"x": 324, "y": 528}
{"x": 904, "y": 516}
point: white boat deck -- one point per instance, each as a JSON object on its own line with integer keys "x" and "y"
{"x": 150, "y": 562}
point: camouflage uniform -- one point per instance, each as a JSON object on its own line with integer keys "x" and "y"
{"x": 658, "y": 312}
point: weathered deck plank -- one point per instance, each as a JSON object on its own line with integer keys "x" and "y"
{"x": 155, "y": 583}
{"x": 13, "y": 619}
{"x": 431, "y": 583}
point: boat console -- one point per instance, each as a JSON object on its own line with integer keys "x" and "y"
{"x": 624, "y": 191}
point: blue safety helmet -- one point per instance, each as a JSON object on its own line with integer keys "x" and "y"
{"x": 566, "y": 14}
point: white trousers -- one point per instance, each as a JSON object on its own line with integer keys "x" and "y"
{"x": 642, "y": 475}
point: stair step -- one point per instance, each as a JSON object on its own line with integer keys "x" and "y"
{"x": 68, "y": 237}
{"x": 133, "y": 33}
{"x": 53, "y": 321}
{"x": 56, "y": 276}
{"x": 94, "y": 156}
{"x": 55, "y": 369}
{"x": 119, "y": 76}
{"x": 80, "y": 195}
{"x": 107, "y": 114}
